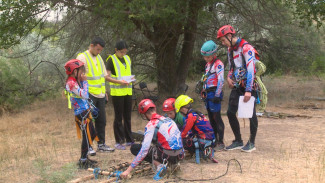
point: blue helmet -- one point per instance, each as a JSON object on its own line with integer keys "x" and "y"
{"x": 209, "y": 48}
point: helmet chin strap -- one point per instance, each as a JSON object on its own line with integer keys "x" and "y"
{"x": 77, "y": 77}
{"x": 230, "y": 40}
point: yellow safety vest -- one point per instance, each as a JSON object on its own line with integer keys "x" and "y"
{"x": 121, "y": 70}
{"x": 95, "y": 76}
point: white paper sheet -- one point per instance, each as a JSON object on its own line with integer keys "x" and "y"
{"x": 245, "y": 110}
{"x": 128, "y": 79}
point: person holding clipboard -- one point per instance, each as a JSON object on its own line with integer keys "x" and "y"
{"x": 119, "y": 76}
{"x": 241, "y": 79}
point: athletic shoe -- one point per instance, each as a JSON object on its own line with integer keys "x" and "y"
{"x": 129, "y": 143}
{"x": 220, "y": 147}
{"x": 119, "y": 146}
{"x": 104, "y": 148}
{"x": 249, "y": 147}
{"x": 235, "y": 145}
{"x": 91, "y": 151}
{"x": 211, "y": 156}
{"x": 87, "y": 164}
{"x": 259, "y": 114}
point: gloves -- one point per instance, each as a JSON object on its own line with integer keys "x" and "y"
{"x": 216, "y": 100}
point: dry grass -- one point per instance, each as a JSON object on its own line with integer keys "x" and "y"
{"x": 40, "y": 143}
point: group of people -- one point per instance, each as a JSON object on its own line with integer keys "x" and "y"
{"x": 182, "y": 127}
{"x": 85, "y": 85}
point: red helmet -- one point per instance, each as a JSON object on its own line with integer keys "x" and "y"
{"x": 144, "y": 105}
{"x": 169, "y": 105}
{"x": 72, "y": 65}
{"x": 224, "y": 30}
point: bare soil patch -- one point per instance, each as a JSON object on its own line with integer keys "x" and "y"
{"x": 40, "y": 144}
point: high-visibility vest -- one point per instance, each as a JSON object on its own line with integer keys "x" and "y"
{"x": 95, "y": 75}
{"x": 69, "y": 95}
{"x": 121, "y": 70}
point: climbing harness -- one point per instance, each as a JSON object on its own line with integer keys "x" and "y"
{"x": 206, "y": 151}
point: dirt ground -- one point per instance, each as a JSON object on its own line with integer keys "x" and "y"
{"x": 40, "y": 145}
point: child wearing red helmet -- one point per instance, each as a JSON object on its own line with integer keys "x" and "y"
{"x": 77, "y": 86}
{"x": 169, "y": 109}
{"x": 163, "y": 132}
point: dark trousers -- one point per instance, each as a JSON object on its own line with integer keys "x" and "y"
{"x": 122, "y": 109}
{"x": 217, "y": 125}
{"x": 231, "y": 113}
{"x": 159, "y": 155}
{"x": 100, "y": 121}
{"x": 85, "y": 141}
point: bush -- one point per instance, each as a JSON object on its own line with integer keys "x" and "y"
{"x": 318, "y": 66}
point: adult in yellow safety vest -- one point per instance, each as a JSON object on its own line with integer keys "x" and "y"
{"x": 96, "y": 73}
{"x": 120, "y": 78}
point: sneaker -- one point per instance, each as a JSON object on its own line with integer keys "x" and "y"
{"x": 119, "y": 146}
{"x": 129, "y": 143}
{"x": 249, "y": 147}
{"x": 87, "y": 164}
{"x": 259, "y": 114}
{"x": 220, "y": 147}
{"x": 211, "y": 156}
{"x": 213, "y": 159}
{"x": 235, "y": 145}
{"x": 91, "y": 151}
{"x": 104, "y": 148}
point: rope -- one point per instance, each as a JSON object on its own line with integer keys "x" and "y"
{"x": 96, "y": 172}
{"x": 193, "y": 180}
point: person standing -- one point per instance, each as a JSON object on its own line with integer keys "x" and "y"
{"x": 96, "y": 73}
{"x": 77, "y": 86}
{"x": 213, "y": 80}
{"x": 118, "y": 66}
{"x": 241, "y": 79}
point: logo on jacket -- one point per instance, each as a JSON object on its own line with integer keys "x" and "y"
{"x": 250, "y": 53}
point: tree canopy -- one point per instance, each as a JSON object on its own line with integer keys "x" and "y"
{"x": 165, "y": 36}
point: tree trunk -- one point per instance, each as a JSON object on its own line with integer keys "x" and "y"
{"x": 172, "y": 73}
{"x": 167, "y": 67}
{"x": 189, "y": 39}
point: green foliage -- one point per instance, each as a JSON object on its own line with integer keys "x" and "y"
{"x": 17, "y": 19}
{"x": 164, "y": 36}
{"x": 13, "y": 84}
{"x": 284, "y": 46}
{"x": 308, "y": 11}
{"x": 318, "y": 66}
{"x": 292, "y": 49}
{"x": 37, "y": 75}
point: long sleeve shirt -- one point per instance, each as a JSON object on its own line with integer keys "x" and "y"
{"x": 79, "y": 95}
{"x": 243, "y": 55}
{"x": 214, "y": 75}
{"x": 168, "y": 137}
{"x": 199, "y": 125}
